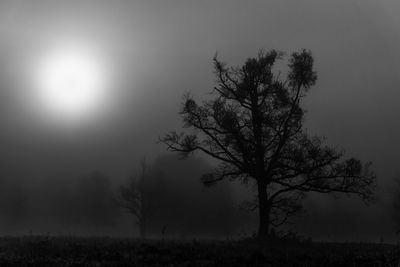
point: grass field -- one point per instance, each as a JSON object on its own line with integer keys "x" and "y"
{"x": 79, "y": 251}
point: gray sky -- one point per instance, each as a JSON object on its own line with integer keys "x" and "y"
{"x": 157, "y": 50}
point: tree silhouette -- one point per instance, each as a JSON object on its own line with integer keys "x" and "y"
{"x": 134, "y": 198}
{"x": 254, "y": 128}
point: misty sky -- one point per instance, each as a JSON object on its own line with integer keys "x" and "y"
{"x": 157, "y": 50}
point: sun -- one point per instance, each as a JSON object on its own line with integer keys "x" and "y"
{"x": 71, "y": 83}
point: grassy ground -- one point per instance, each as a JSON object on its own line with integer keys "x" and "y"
{"x": 74, "y": 251}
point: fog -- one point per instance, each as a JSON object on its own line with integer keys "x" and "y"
{"x": 156, "y": 51}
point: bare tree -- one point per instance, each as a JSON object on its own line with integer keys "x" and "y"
{"x": 254, "y": 128}
{"x": 133, "y": 197}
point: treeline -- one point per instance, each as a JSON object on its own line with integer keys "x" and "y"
{"x": 178, "y": 204}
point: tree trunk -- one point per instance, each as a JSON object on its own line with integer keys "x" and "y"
{"x": 264, "y": 210}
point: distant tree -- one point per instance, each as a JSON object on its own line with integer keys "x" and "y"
{"x": 134, "y": 198}
{"x": 254, "y": 128}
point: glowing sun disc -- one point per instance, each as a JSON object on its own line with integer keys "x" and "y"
{"x": 70, "y": 83}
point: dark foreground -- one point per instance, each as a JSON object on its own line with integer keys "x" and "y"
{"x": 74, "y": 251}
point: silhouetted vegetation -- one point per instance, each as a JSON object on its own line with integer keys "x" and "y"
{"x": 72, "y": 251}
{"x": 170, "y": 198}
{"x": 254, "y": 128}
{"x": 134, "y": 197}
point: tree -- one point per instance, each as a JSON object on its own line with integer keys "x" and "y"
{"x": 254, "y": 129}
{"x": 134, "y": 198}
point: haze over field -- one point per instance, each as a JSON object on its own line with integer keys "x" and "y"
{"x": 150, "y": 53}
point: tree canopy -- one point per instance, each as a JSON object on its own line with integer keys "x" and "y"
{"x": 254, "y": 127}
